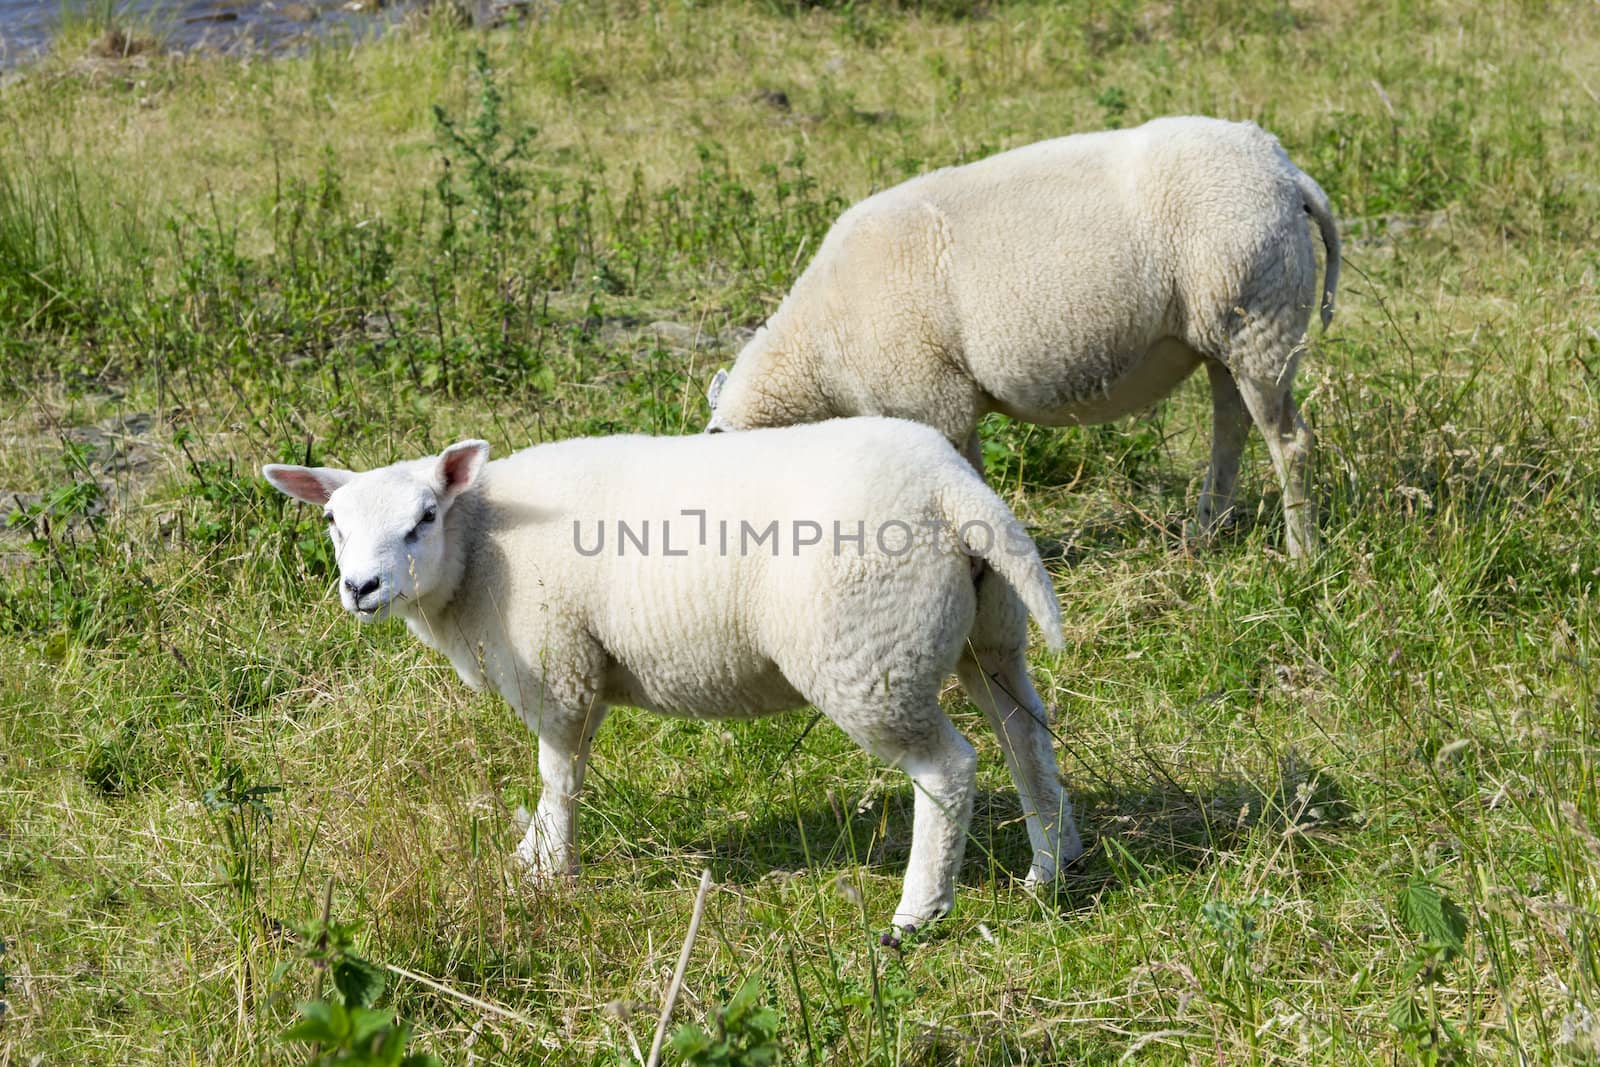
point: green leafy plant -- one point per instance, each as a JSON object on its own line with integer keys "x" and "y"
{"x": 1233, "y": 979}
{"x": 74, "y": 499}
{"x": 873, "y": 1005}
{"x": 347, "y": 1027}
{"x": 230, "y": 506}
{"x": 485, "y": 151}
{"x": 1113, "y": 100}
{"x": 63, "y": 589}
{"x": 1441, "y": 927}
{"x": 242, "y": 816}
{"x": 746, "y": 1033}
{"x": 1235, "y": 925}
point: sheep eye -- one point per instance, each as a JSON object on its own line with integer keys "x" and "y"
{"x": 327, "y": 517}
{"x": 416, "y": 531}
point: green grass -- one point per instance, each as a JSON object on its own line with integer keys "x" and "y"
{"x": 208, "y": 264}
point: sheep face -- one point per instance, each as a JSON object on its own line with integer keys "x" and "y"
{"x": 729, "y": 407}
{"x": 387, "y": 524}
{"x": 771, "y": 383}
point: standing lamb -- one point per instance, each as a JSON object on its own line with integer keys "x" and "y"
{"x": 836, "y": 564}
{"x": 1071, "y": 281}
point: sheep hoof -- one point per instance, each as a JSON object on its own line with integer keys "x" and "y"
{"x": 542, "y": 873}
{"x": 906, "y": 924}
{"x": 549, "y": 881}
{"x": 900, "y": 936}
{"x": 1201, "y": 534}
{"x": 1046, "y": 868}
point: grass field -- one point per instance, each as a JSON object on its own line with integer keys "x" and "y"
{"x": 1345, "y": 813}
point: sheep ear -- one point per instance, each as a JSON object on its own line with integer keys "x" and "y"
{"x": 714, "y": 390}
{"x": 459, "y": 467}
{"x": 313, "y": 485}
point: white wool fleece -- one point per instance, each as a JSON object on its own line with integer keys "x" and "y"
{"x": 723, "y": 577}
{"x": 1071, "y": 281}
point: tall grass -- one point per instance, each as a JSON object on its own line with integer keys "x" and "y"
{"x": 1346, "y": 813}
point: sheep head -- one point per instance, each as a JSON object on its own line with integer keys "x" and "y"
{"x": 766, "y": 386}
{"x": 387, "y": 524}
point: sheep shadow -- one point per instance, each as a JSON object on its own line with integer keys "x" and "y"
{"x": 1139, "y": 820}
{"x": 1114, "y": 530}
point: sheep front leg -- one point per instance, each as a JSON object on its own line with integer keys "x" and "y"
{"x": 973, "y": 451}
{"x": 549, "y": 850}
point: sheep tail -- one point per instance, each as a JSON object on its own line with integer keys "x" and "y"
{"x": 1319, "y": 209}
{"x": 987, "y": 529}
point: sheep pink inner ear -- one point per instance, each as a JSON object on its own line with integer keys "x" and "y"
{"x": 313, "y": 485}
{"x": 460, "y": 465}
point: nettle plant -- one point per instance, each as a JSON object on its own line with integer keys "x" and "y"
{"x": 744, "y": 1033}
{"x": 1441, "y": 927}
{"x": 346, "y": 1027}
{"x": 243, "y": 821}
{"x": 480, "y": 158}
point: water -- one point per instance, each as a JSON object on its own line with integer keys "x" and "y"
{"x": 26, "y": 26}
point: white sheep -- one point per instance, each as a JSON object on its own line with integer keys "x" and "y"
{"x": 835, "y": 564}
{"x": 1071, "y": 281}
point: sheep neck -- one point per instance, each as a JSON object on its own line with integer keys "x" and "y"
{"x": 790, "y": 390}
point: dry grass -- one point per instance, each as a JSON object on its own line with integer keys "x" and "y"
{"x": 1263, "y": 756}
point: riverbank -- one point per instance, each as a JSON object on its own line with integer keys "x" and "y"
{"x": 34, "y": 31}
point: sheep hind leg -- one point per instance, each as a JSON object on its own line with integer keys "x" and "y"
{"x": 916, "y": 736}
{"x": 1291, "y": 442}
{"x": 1000, "y": 686}
{"x": 1230, "y": 425}
{"x": 994, "y": 673}
{"x": 944, "y": 771}
{"x": 549, "y": 850}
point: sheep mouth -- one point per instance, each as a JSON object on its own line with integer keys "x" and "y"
{"x": 380, "y": 610}
{"x": 372, "y": 612}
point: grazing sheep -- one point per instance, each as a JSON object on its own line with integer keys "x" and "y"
{"x": 1072, "y": 281}
{"x": 836, "y": 564}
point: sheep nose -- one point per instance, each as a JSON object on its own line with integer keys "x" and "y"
{"x": 359, "y": 591}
